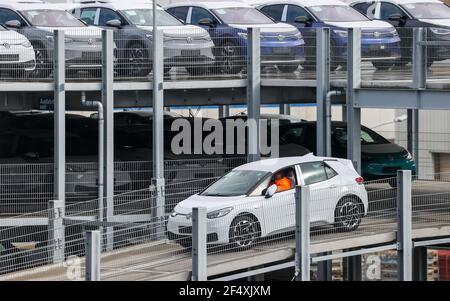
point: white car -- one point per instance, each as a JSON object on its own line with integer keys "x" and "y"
{"x": 16, "y": 53}
{"x": 244, "y": 205}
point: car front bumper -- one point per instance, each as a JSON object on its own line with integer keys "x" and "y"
{"x": 183, "y": 54}
{"x": 17, "y": 57}
{"x": 376, "y": 170}
{"x": 372, "y": 49}
{"x": 283, "y": 53}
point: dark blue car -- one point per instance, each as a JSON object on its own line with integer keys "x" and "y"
{"x": 380, "y": 43}
{"x": 282, "y": 45}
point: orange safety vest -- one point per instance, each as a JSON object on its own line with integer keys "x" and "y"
{"x": 283, "y": 184}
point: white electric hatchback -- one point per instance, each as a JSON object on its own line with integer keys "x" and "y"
{"x": 245, "y": 204}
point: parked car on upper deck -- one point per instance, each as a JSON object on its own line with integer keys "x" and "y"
{"x": 380, "y": 43}
{"x": 408, "y": 14}
{"x": 37, "y": 21}
{"x": 245, "y": 205}
{"x": 184, "y": 45}
{"x": 16, "y": 54}
{"x": 227, "y": 23}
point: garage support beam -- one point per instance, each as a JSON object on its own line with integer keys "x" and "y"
{"x": 404, "y": 237}
{"x": 59, "y": 112}
{"x": 108, "y": 150}
{"x": 158, "y": 182}
{"x": 354, "y": 82}
{"x": 285, "y": 109}
{"x": 254, "y": 94}
{"x": 323, "y": 86}
{"x": 302, "y": 233}
{"x": 224, "y": 111}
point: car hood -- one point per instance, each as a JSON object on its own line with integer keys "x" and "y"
{"x": 367, "y": 25}
{"x": 211, "y": 203}
{"x": 276, "y": 28}
{"x": 76, "y": 32}
{"x": 180, "y": 31}
{"x": 437, "y": 22}
{"x": 388, "y": 148}
{"x": 12, "y": 37}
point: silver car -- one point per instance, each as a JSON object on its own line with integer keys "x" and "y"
{"x": 37, "y": 21}
{"x": 185, "y": 46}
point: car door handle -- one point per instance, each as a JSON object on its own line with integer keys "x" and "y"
{"x": 256, "y": 207}
{"x": 332, "y": 186}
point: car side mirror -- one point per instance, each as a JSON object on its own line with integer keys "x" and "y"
{"x": 13, "y": 24}
{"x": 114, "y": 23}
{"x": 270, "y": 191}
{"x": 207, "y": 22}
{"x": 303, "y": 20}
{"x": 396, "y": 18}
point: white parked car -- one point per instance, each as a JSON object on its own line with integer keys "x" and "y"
{"x": 16, "y": 53}
{"x": 244, "y": 205}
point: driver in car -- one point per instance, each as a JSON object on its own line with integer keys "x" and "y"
{"x": 283, "y": 183}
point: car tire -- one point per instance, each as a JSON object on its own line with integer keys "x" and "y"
{"x": 244, "y": 231}
{"x": 138, "y": 57}
{"x": 287, "y": 68}
{"x": 348, "y": 214}
{"x": 382, "y": 65}
{"x": 44, "y": 67}
{"x": 227, "y": 58}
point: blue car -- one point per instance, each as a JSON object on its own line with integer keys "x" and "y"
{"x": 282, "y": 45}
{"x": 380, "y": 42}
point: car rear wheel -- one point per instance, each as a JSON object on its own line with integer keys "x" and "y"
{"x": 244, "y": 231}
{"x": 348, "y": 214}
{"x": 383, "y": 65}
{"x": 287, "y": 68}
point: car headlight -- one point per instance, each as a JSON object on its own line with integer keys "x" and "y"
{"x": 408, "y": 156}
{"x": 298, "y": 36}
{"x": 50, "y": 38}
{"x": 341, "y": 33}
{"x": 207, "y": 38}
{"x": 68, "y": 41}
{"x": 26, "y": 44}
{"x": 149, "y": 36}
{"x": 243, "y": 35}
{"x": 219, "y": 213}
{"x": 394, "y": 33}
{"x": 440, "y": 31}
{"x": 173, "y": 214}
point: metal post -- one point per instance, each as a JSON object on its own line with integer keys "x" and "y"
{"x": 56, "y": 231}
{"x": 199, "y": 252}
{"x": 158, "y": 182}
{"x": 419, "y": 59}
{"x": 352, "y": 268}
{"x": 302, "y": 235}
{"x": 404, "y": 239}
{"x": 285, "y": 109}
{"x": 323, "y": 86}
{"x": 354, "y": 82}
{"x": 254, "y": 94}
{"x": 325, "y": 268}
{"x": 93, "y": 250}
{"x": 59, "y": 64}
{"x": 415, "y": 149}
{"x": 108, "y": 151}
{"x": 224, "y": 111}
{"x": 420, "y": 264}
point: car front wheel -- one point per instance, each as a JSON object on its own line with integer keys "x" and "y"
{"x": 348, "y": 214}
{"x": 244, "y": 231}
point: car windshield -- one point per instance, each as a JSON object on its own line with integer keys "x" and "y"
{"x": 236, "y": 182}
{"x": 51, "y": 18}
{"x": 144, "y": 17}
{"x": 337, "y": 13}
{"x": 428, "y": 10}
{"x": 367, "y": 136}
{"x": 242, "y": 15}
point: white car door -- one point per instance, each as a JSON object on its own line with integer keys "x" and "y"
{"x": 324, "y": 186}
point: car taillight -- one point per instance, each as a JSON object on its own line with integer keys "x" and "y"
{"x": 360, "y": 180}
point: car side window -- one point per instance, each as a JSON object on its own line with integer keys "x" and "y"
{"x": 331, "y": 173}
{"x": 295, "y": 11}
{"x": 9, "y": 15}
{"x": 274, "y": 11}
{"x": 294, "y": 135}
{"x": 313, "y": 172}
{"x": 366, "y": 8}
{"x": 199, "y": 14}
{"x": 179, "y": 12}
{"x": 88, "y": 15}
{"x": 107, "y": 15}
{"x": 388, "y": 9}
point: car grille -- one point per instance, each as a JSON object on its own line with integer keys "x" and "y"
{"x": 9, "y": 57}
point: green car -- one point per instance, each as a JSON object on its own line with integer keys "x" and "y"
{"x": 380, "y": 158}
